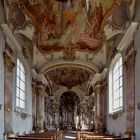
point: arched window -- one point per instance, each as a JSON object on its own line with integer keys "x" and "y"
{"x": 116, "y": 85}
{"x": 20, "y": 85}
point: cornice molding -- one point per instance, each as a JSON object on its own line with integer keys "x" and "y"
{"x": 10, "y": 38}
{"x": 129, "y": 36}
{"x": 56, "y": 64}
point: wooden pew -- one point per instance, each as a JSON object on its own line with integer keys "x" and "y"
{"x": 55, "y": 134}
{"x": 47, "y": 135}
{"x": 82, "y": 135}
{"x": 28, "y": 138}
{"x": 104, "y": 138}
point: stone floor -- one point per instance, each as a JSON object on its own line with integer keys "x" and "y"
{"x": 69, "y": 135}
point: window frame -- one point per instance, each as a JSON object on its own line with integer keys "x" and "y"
{"x": 21, "y": 89}
{"x": 120, "y": 88}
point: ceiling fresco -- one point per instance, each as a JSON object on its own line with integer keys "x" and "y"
{"x": 69, "y": 37}
{"x": 83, "y": 87}
{"x": 61, "y": 23}
{"x": 69, "y": 77}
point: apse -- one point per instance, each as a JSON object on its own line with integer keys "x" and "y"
{"x": 69, "y": 110}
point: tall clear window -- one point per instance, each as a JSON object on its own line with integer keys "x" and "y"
{"x": 20, "y": 85}
{"x": 116, "y": 86}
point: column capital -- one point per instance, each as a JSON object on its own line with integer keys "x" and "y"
{"x": 8, "y": 61}
{"x": 41, "y": 90}
{"x": 8, "y": 57}
{"x": 41, "y": 84}
{"x": 98, "y": 87}
{"x": 33, "y": 85}
{"x": 41, "y": 78}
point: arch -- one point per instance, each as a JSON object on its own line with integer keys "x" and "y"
{"x": 69, "y": 92}
{"x": 113, "y": 62}
{"x": 48, "y": 87}
{"x": 60, "y": 91}
{"x": 57, "y": 64}
{"x": 47, "y": 90}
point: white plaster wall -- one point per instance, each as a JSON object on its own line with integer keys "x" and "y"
{"x": 2, "y": 45}
{"x": 117, "y": 126}
{"x": 137, "y": 85}
{"x": 23, "y": 125}
{"x": 18, "y": 124}
{"x": 137, "y": 73}
{"x": 1, "y": 13}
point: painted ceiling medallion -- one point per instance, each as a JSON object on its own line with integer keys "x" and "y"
{"x": 16, "y": 16}
{"x": 68, "y": 77}
{"x": 60, "y": 22}
{"x": 69, "y": 53}
{"x": 120, "y": 16}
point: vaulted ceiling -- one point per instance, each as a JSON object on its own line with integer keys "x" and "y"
{"x": 68, "y": 32}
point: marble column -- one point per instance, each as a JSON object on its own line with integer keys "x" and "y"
{"x": 104, "y": 103}
{"x": 52, "y": 113}
{"x": 130, "y": 93}
{"x": 57, "y": 115}
{"x": 34, "y": 95}
{"x": 40, "y": 106}
{"x": 8, "y": 90}
{"x": 98, "y": 106}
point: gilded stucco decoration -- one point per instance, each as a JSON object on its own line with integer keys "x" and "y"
{"x": 69, "y": 53}
{"x": 34, "y": 86}
{"x": 9, "y": 62}
{"x": 8, "y": 58}
{"x": 40, "y": 88}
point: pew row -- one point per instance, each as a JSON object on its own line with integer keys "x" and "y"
{"x": 81, "y": 135}
{"x": 28, "y": 138}
{"x": 42, "y": 136}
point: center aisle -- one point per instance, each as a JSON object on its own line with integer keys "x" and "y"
{"x": 69, "y": 135}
